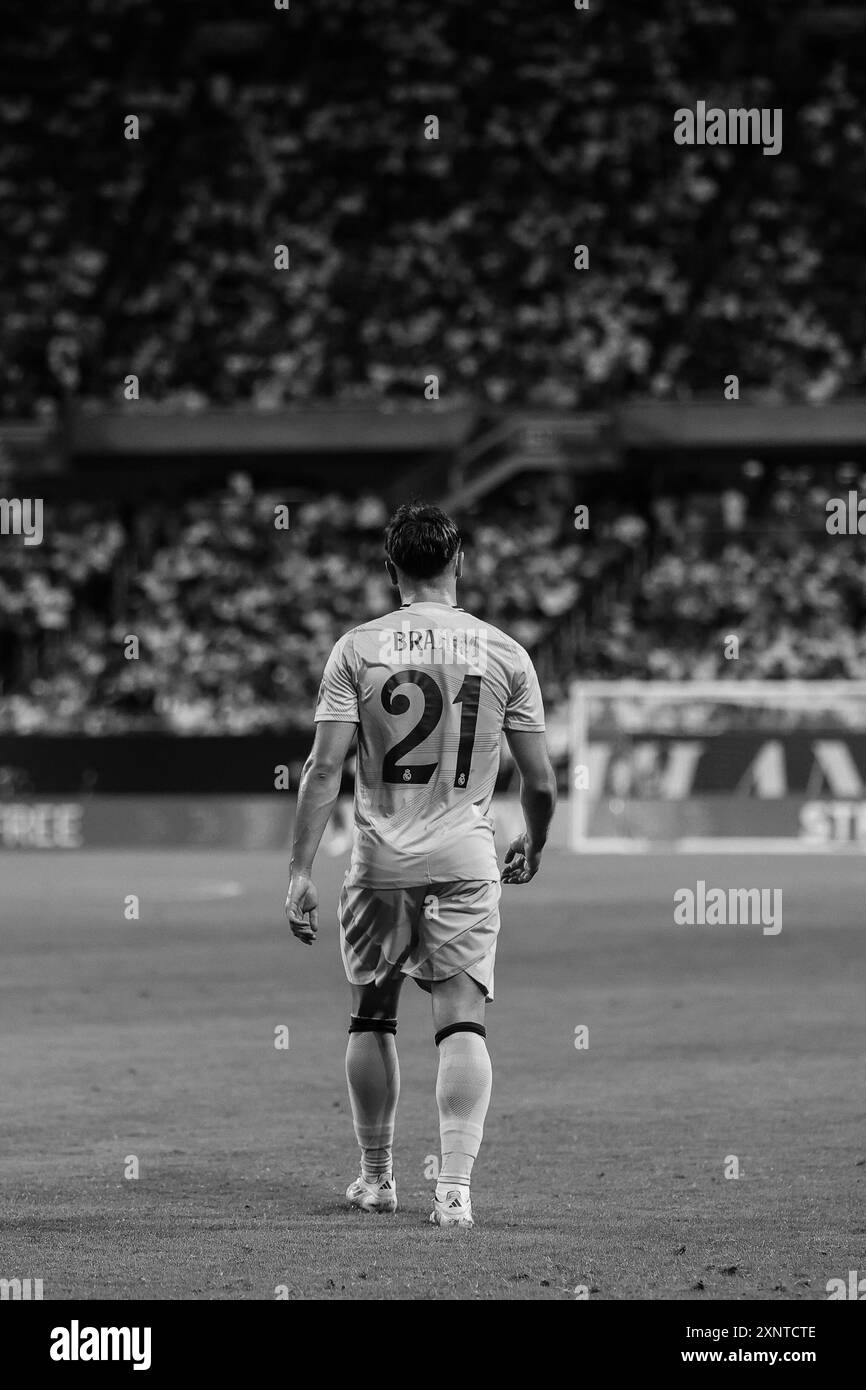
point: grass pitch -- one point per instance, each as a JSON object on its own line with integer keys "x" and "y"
{"x": 603, "y": 1168}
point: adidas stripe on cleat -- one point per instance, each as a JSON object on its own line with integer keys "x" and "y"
{"x": 454, "y": 1209}
{"x": 374, "y": 1194}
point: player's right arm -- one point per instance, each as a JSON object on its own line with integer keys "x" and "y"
{"x": 538, "y": 799}
{"x": 336, "y": 725}
{"x": 317, "y": 796}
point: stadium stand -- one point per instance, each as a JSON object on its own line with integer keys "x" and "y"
{"x": 156, "y": 257}
{"x": 235, "y": 617}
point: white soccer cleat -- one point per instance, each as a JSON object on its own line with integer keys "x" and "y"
{"x": 380, "y": 1194}
{"x": 455, "y": 1209}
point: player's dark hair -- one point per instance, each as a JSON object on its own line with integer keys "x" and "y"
{"x": 421, "y": 540}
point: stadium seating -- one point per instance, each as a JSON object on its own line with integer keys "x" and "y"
{"x": 235, "y": 618}
{"x": 156, "y": 256}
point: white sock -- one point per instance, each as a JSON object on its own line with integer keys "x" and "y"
{"x": 463, "y": 1094}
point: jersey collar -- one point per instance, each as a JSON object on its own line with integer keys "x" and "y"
{"x": 432, "y": 603}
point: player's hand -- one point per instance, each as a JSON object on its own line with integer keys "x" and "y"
{"x": 522, "y": 862}
{"x": 302, "y": 908}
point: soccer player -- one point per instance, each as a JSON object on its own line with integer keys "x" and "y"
{"x": 429, "y": 690}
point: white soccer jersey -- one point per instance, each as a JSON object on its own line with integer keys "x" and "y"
{"x": 431, "y": 688}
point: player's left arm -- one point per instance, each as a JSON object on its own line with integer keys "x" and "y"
{"x": 317, "y": 796}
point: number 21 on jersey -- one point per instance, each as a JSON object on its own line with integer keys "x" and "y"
{"x": 397, "y": 702}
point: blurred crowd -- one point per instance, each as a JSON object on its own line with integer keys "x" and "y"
{"x": 407, "y": 255}
{"x": 205, "y": 616}
{"x": 306, "y": 128}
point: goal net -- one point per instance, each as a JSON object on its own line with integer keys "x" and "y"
{"x": 717, "y": 765}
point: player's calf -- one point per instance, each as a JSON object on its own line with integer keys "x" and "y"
{"x": 373, "y": 1079}
{"x": 463, "y": 1087}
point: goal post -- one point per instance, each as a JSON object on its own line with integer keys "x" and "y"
{"x": 717, "y": 765}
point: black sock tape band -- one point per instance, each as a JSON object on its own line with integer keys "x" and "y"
{"x": 460, "y": 1028}
{"x": 360, "y": 1024}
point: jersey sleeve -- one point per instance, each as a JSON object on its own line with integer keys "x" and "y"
{"x": 525, "y": 707}
{"x": 338, "y": 691}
